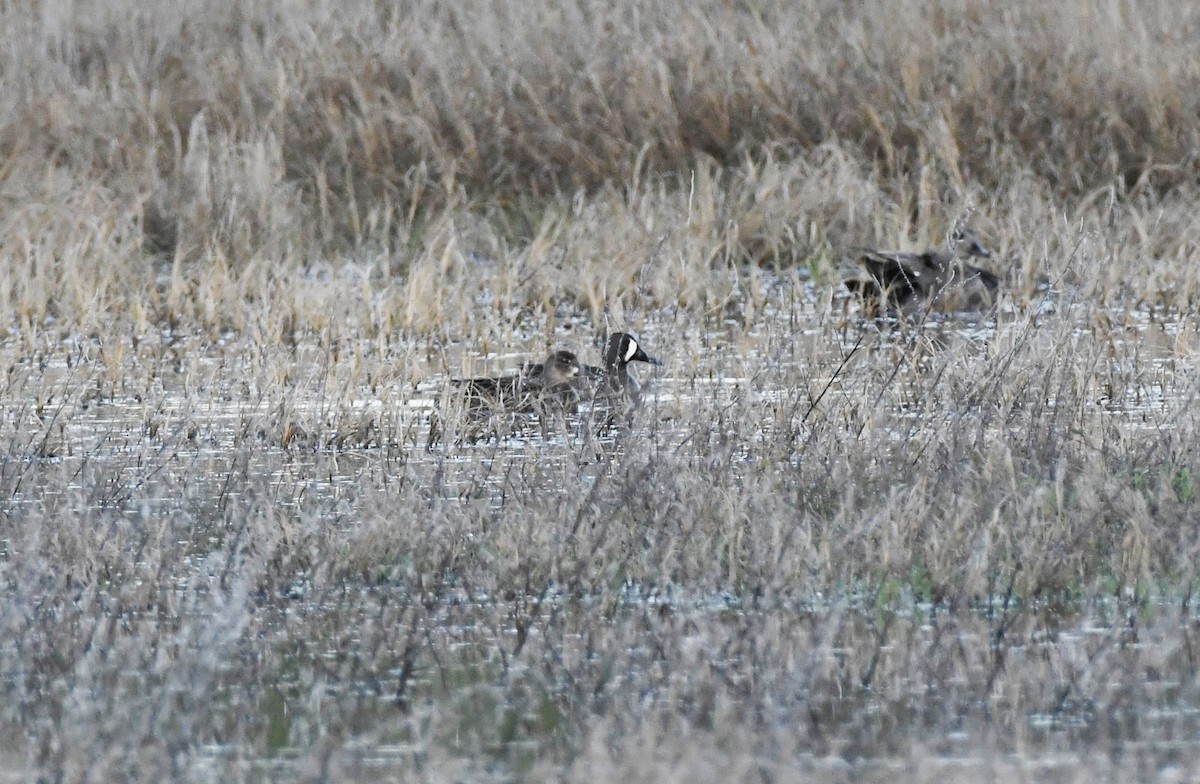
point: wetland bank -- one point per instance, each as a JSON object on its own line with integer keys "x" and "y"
{"x": 245, "y": 251}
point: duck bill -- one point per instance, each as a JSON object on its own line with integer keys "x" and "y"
{"x": 977, "y": 249}
{"x": 644, "y": 357}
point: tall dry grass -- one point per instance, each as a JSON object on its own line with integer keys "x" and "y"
{"x": 239, "y": 239}
{"x": 935, "y": 550}
{"x": 172, "y": 163}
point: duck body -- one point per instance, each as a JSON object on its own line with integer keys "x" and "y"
{"x": 556, "y": 386}
{"x": 931, "y": 280}
{"x": 533, "y": 388}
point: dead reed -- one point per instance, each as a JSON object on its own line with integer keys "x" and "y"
{"x": 245, "y": 245}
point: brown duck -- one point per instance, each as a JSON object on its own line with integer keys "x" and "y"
{"x": 533, "y": 387}
{"x": 932, "y": 280}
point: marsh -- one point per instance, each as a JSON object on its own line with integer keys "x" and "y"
{"x": 245, "y": 254}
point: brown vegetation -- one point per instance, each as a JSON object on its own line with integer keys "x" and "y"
{"x": 244, "y": 245}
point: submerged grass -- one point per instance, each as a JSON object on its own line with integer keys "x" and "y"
{"x": 245, "y": 537}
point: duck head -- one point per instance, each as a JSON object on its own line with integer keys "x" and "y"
{"x": 965, "y": 242}
{"x": 622, "y": 348}
{"x": 561, "y": 366}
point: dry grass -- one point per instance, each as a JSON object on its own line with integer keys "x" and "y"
{"x": 246, "y": 243}
{"x": 268, "y": 140}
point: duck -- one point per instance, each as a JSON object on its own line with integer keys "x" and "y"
{"x": 939, "y": 280}
{"x": 613, "y": 380}
{"x": 535, "y": 386}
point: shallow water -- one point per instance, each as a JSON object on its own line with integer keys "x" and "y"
{"x": 184, "y": 440}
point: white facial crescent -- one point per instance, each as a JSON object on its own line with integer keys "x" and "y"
{"x": 631, "y": 350}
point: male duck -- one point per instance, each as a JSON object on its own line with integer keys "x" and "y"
{"x": 614, "y": 380}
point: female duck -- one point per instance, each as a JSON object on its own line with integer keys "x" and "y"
{"x": 932, "y": 280}
{"x": 533, "y": 387}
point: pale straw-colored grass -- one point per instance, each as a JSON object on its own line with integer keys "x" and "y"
{"x": 246, "y": 245}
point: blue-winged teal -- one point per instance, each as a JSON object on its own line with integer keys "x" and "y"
{"x": 934, "y": 280}
{"x": 535, "y": 386}
{"x": 613, "y": 380}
